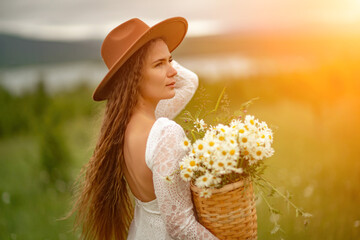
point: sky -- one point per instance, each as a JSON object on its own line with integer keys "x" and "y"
{"x": 93, "y": 19}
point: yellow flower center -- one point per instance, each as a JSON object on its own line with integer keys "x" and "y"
{"x": 193, "y": 150}
{"x": 200, "y": 147}
{"x": 211, "y": 162}
{"x": 220, "y": 164}
{"x": 192, "y": 163}
{"x": 252, "y": 122}
{"x": 246, "y": 152}
{"x": 258, "y": 153}
{"x": 224, "y": 153}
{"x": 241, "y": 131}
{"x": 244, "y": 139}
{"x": 211, "y": 143}
{"x": 221, "y": 138}
{"x": 204, "y": 179}
{"x": 186, "y": 175}
{"x": 232, "y": 152}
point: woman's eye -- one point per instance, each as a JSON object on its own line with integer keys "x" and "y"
{"x": 162, "y": 63}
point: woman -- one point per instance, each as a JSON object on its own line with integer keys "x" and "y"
{"x": 138, "y": 144}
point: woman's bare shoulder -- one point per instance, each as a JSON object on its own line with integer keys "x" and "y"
{"x": 138, "y": 128}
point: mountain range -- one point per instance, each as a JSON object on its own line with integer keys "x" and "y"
{"x": 18, "y": 51}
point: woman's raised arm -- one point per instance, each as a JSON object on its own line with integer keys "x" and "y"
{"x": 186, "y": 84}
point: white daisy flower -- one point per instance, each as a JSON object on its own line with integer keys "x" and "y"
{"x": 210, "y": 143}
{"x": 223, "y": 132}
{"x": 251, "y": 122}
{"x": 169, "y": 178}
{"x": 245, "y": 153}
{"x": 241, "y": 128}
{"x": 189, "y": 162}
{"x": 235, "y": 123}
{"x": 215, "y": 180}
{"x": 210, "y": 133}
{"x": 269, "y": 136}
{"x": 230, "y": 163}
{"x": 243, "y": 139}
{"x": 223, "y": 152}
{"x": 220, "y": 164}
{"x": 186, "y": 143}
{"x": 210, "y": 163}
{"x": 234, "y": 152}
{"x": 207, "y": 154}
{"x": 199, "y": 147}
{"x": 200, "y": 125}
{"x": 206, "y": 193}
{"x": 259, "y": 153}
{"x": 186, "y": 175}
{"x": 269, "y": 151}
{"x": 204, "y": 180}
{"x": 222, "y": 128}
{"x": 233, "y": 140}
{"x": 263, "y": 137}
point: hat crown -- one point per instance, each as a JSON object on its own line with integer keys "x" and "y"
{"x": 120, "y": 39}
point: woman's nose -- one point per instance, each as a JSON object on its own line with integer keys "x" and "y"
{"x": 172, "y": 71}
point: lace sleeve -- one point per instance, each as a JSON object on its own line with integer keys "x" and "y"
{"x": 174, "y": 198}
{"x": 186, "y": 84}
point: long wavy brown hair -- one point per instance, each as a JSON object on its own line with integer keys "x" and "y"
{"x": 103, "y": 206}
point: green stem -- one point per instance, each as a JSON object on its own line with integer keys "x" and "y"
{"x": 217, "y": 103}
{"x": 193, "y": 135}
{"x": 266, "y": 201}
{"x": 282, "y": 195}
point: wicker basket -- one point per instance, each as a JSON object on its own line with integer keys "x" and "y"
{"x": 230, "y": 212}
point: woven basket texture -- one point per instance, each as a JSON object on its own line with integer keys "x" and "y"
{"x": 230, "y": 212}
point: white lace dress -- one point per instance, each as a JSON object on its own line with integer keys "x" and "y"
{"x": 171, "y": 214}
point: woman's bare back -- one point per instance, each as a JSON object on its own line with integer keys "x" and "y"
{"x": 137, "y": 173}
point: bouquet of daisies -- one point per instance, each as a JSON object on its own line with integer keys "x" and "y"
{"x": 226, "y": 158}
{"x": 226, "y": 153}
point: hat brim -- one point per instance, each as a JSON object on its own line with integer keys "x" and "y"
{"x": 172, "y": 31}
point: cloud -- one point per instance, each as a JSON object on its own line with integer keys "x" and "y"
{"x": 69, "y": 19}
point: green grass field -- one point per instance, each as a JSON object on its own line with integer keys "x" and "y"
{"x": 315, "y": 119}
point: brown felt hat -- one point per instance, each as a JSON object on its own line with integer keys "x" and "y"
{"x": 125, "y": 39}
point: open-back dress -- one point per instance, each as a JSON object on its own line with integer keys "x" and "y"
{"x": 171, "y": 214}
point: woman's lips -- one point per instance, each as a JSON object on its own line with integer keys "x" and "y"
{"x": 171, "y": 84}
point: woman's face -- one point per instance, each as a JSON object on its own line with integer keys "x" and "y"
{"x": 158, "y": 74}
